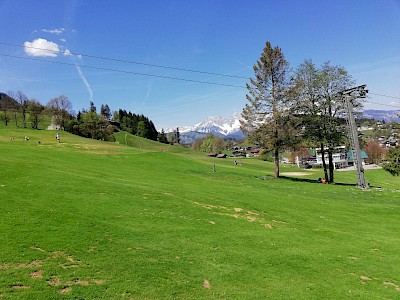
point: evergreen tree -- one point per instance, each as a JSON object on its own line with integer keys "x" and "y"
{"x": 268, "y": 96}
{"x": 177, "y": 135}
{"x": 162, "y": 138}
{"x": 79, "y": 116}
{"x": 105, "y": 111}
{"x": 92, "y": 108}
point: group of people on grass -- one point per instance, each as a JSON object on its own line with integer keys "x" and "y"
{"x": 26, "y": 138}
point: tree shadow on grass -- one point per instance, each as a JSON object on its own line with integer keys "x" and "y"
{"x": 313, "y": 181}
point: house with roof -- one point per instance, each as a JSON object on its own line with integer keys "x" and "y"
{"x": 342, "y": 158}
{"x": 351, "y": 157}
{"x": 339, "y": 157}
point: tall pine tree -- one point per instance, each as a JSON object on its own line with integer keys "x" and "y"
{"x": 265, "y": 115}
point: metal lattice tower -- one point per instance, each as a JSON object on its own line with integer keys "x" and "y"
{"x": 348, "y": 96}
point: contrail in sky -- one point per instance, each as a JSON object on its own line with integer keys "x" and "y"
{"x": 86, "y": 83}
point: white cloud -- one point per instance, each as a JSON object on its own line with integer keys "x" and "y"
{"x": 41, "y": 47}
{"x": 67, "y": 52}
{"x": 63, "y": 40}
{"x": 56, "y": 31}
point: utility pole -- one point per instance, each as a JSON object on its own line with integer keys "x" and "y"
{"x": 348, "y": 96}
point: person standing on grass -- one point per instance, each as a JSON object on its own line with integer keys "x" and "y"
{"x": 58, "y": 137}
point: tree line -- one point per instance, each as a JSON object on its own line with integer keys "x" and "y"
{"x": 18, "y": 108}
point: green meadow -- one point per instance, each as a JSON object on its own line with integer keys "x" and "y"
{"x": 85, "y": 219}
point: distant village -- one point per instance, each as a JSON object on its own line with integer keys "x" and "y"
{"x": 380, "y": 135}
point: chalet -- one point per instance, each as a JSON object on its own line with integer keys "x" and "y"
{"x": 238, "y": 153}
{"x": 255, "y": 152}
{"x": 339, "y": 157}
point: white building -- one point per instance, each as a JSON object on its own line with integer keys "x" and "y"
{"x": 339, "y": 157}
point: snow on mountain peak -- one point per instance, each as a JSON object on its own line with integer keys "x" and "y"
{"x": 222, "y": 126}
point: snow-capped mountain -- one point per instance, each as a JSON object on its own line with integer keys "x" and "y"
{"x": 229, "y": 127}
{"x": 226, "y": 127}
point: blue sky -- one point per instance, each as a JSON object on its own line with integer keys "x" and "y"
{"x": 224, "y": 37}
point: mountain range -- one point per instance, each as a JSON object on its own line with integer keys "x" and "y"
{"x": 226, "y": 127}
{"x": 229, "y": 127}
{"x": 386, "y": 115}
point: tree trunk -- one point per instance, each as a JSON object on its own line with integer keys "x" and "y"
{"x": 323, "y": 161}
{"x": 24, "y": 118}
{"x": 331, "y": 165}
{"x": 276, "y": 159}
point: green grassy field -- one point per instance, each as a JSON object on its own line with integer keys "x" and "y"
{"x": 85, "y": 219}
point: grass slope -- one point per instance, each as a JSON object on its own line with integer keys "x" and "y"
{"x": 87, "y": 219}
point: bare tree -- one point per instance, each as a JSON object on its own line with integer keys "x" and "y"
{"x": 60, "y": 108}
{"x": 22, "y": 100}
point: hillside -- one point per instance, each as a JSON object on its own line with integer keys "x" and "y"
{"x": 125, "y": 138}
{"x": 99, "y": 220}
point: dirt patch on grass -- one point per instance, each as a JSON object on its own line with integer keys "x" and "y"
{"x": 71, "y": 259}
{"x": 66, "y": 266}
{"x": 38, "y": 249}
{"x": 396, "y": 286}
{"x": 63, "y": 261}
{"x": 105, "y": 152}
{"x": 31, "y": 265}
{"x": 209, "y": 206}
{"x": 365, "y": 278}
{"x": 251, "y": 219}
{"x": 65, "y": 290}
{"x": 82, "y": 282}
{"x": 91, "y": 249}
{"x": 281, "y": 222}
{"x": 240, "y": 214}
{"x": 98, "y": 281}
{"x": 294, "y": 173}
{"x": 353, "y": 257}
{"x": 20, "y": 286}
{"x": 206, "y": 284}
{"x": 36, "y": 274}
{"x": 54, "y": 282}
